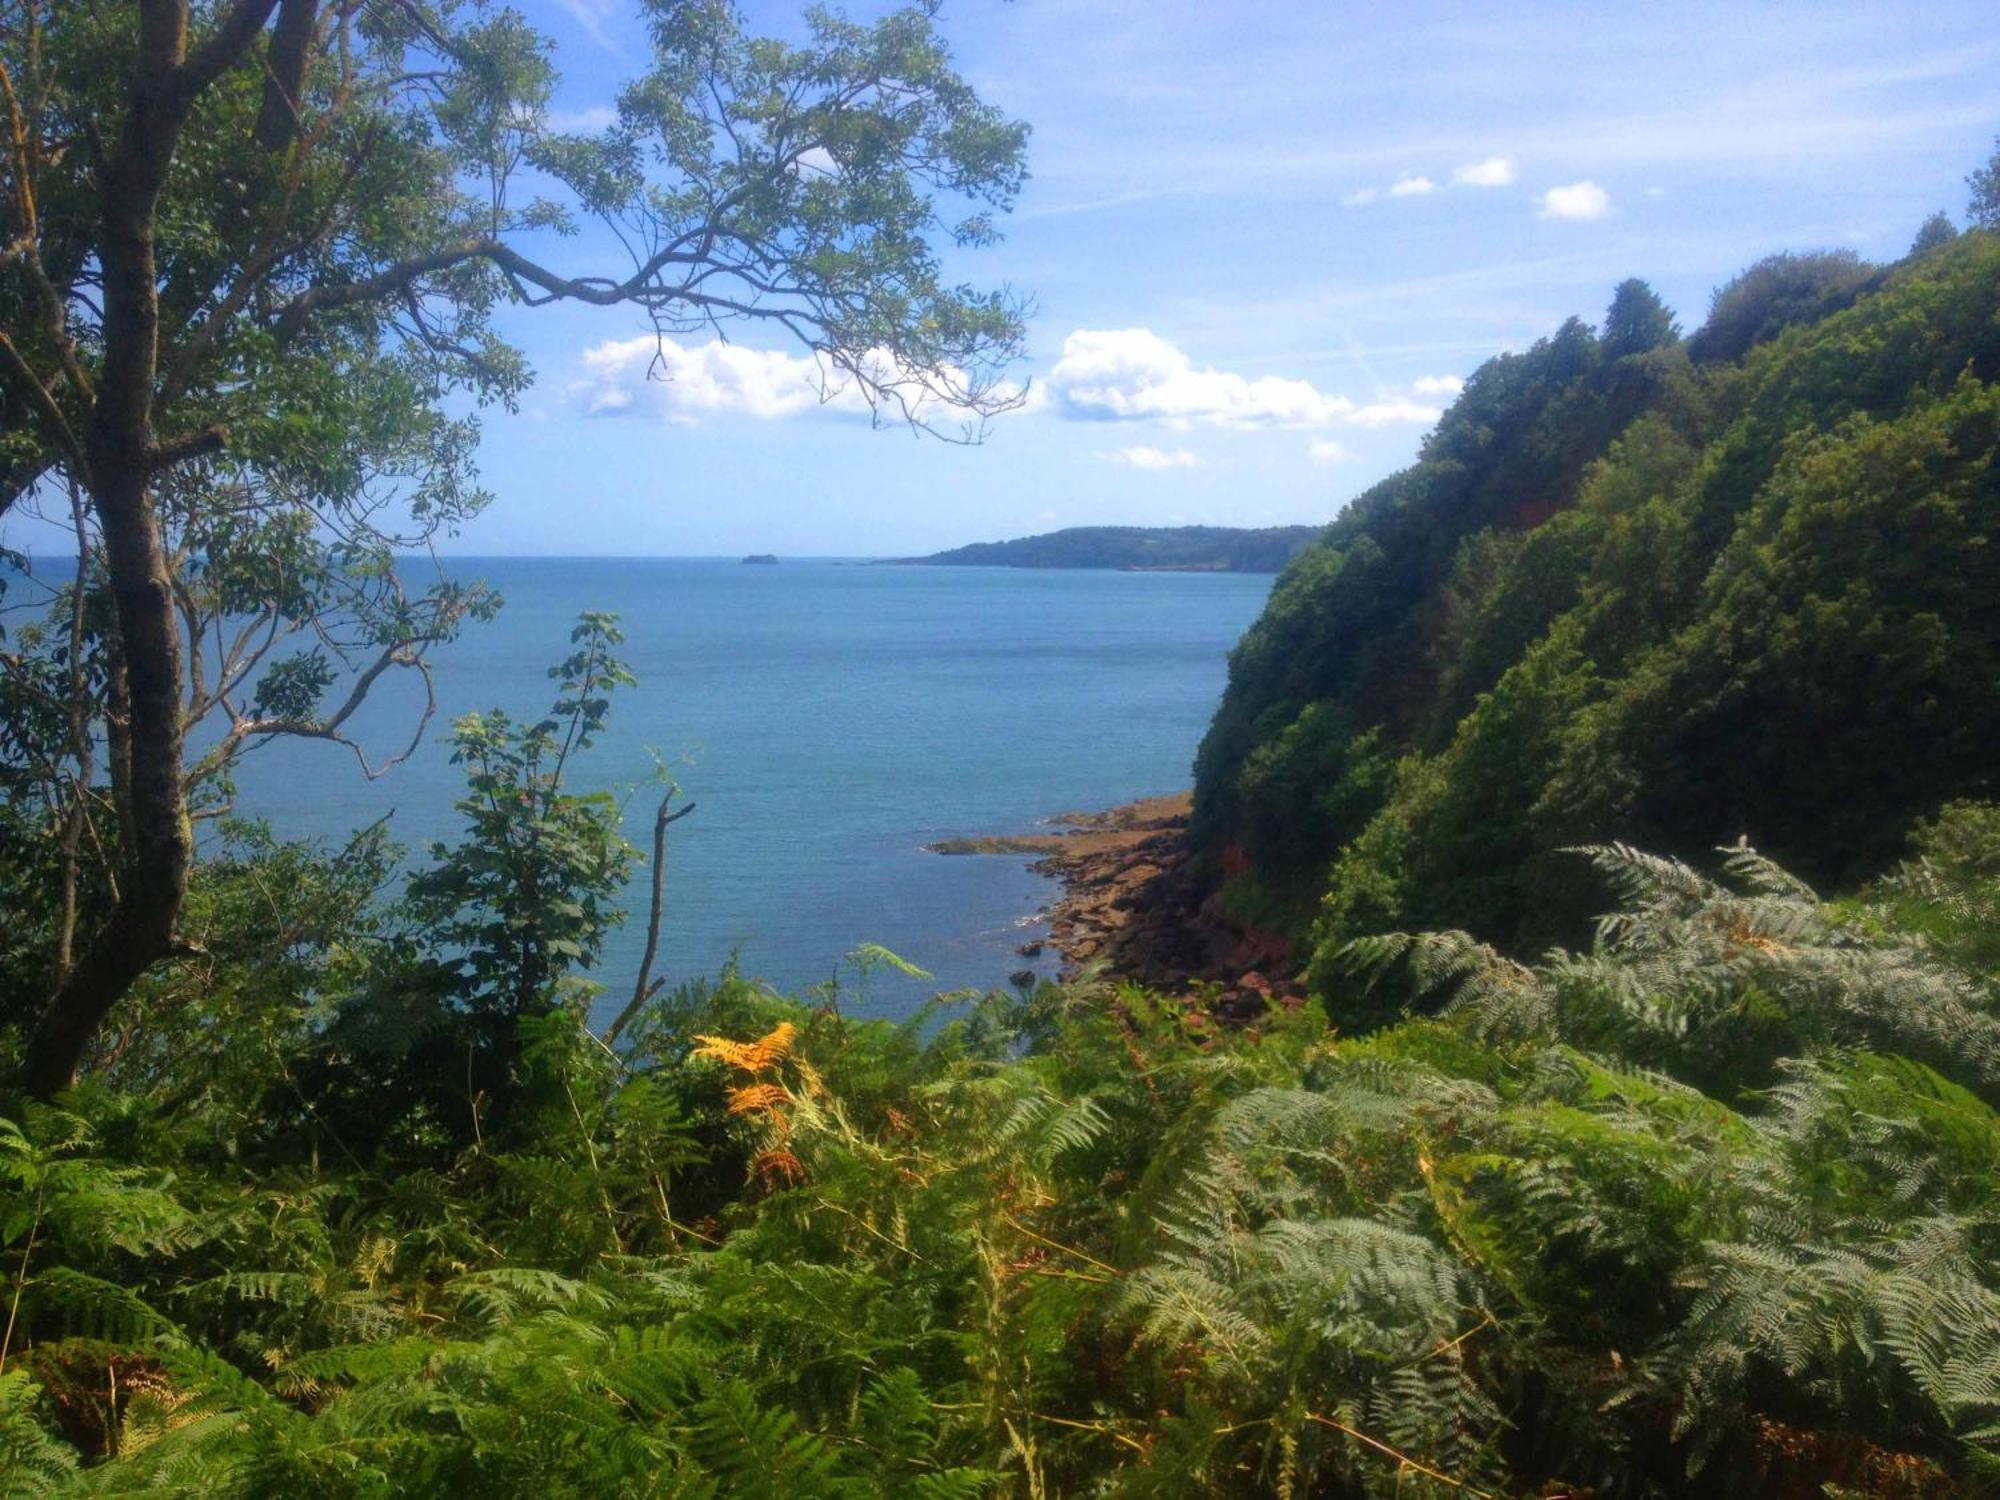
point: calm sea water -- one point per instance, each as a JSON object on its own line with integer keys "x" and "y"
{"x": 827, "y": 719}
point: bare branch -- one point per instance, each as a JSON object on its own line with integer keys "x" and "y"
{"x": 645, "y": 987}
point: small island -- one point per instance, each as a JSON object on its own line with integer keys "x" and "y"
{"x": 1134, "y": 549}
{"x": 762, "y": 558}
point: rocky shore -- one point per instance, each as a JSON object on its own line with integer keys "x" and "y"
{"x": 1131, "y": 906}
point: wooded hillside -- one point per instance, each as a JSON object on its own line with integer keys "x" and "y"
{"x": 1196, "y": 549}
{"x": 1642, "y": 589}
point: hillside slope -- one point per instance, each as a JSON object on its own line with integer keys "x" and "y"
{"x": 1193, "y": 549}
{"x": 1631, "y": 594}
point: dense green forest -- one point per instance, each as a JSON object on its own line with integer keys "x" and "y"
{"x": 1199, "y": 549}
{"x": 316, "y": 1181}
{"x": 1638, "y": 588}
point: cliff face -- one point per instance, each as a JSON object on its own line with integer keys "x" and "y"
{"x": 1192, "y": 549}
{"x": 1629, "y": 594}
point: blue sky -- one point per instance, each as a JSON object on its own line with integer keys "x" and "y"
{"x": 1263, "y": 239}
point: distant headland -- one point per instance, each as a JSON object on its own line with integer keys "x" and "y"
{"x": 1134, "y": 549}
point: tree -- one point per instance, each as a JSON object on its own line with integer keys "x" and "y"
{"x": 1935, "y": 231}
{"x": 1983, "y": 212}
{"x": 1636, "y": 321}
{"x": 1777, "y": 292}
{"x": 253, "y": 250}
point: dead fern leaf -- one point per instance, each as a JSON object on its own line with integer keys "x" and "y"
{"x": 759, "y": 1056}
{"x": 758, "y": 1098}
{"x": 772, "y": 1165}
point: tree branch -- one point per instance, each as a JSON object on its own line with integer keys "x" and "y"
{"x": 211, "y": 439}
{"x": 645, "y": 987}
{"x": 220, "y": 52}
{"x": 41, "y": 398}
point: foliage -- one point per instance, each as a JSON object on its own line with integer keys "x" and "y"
{"x": 1777, "y": 293}
{"x": 362, "y": 1207}
{"x": 1198, "y": 549}
{"x": 1634, "y": 596}
{"x": 1984, "y": 209}
{"x": 369, "y": 1211}
{"x": 352, "y": 1202}
{"x": 529, "y": 893}
{"x": 1681, "y": 1207}
{"x": 251, "y": 258}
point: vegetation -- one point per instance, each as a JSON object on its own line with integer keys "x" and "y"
{"x": 314, "y": 1181}
{"x": 1642, "y": 590}
{"x": 252, "y": 254}
{"x": 1183, "y": 549}
{"x": 361, "y": 1207}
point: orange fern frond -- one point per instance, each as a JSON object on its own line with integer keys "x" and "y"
{"x": 775, "y": 1164}
{"x": 774, "y": 1046}
{"x": 736, "y": 1054}
{"x": 758, "y": 1098}
{"x": 759, "y": 1056}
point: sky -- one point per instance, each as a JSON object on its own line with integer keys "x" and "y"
{"x": 1264, "y": 242}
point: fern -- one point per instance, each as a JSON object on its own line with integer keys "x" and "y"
{"x": 759, "y": 1453}
{"x": 32, "y": 1463}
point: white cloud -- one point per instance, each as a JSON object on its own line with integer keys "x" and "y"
{"x": 665, "y": 380}
{"x": 817, "y": 161}
{"x": 587, "y": 121}
{"x": 680, "y": 383}
{"x": 1383, "y": 413}
{"x": 591, "y": 16}
{"x": 1409, "y": 185}
{"x": 1438, "y": 385}
{"x": 1045, "y": 515}
{"x": 1495, "y": 171}
{"x": 1132, "y": 374}
{"x": 1576, "y": 200}
{"x": 1139, "y": 456}
{"x": 1325, "y": 451}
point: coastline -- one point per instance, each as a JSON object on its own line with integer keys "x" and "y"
{"x": 1131, "y": 907}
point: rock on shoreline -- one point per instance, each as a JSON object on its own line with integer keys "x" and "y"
{"x": 1131, "y": 906}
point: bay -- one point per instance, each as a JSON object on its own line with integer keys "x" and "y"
{"x": 827, "y": 718}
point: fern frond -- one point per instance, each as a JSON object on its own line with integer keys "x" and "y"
{"x": 759, "y": 1056}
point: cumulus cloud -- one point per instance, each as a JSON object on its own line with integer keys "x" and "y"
{"x": 1387, "y": 413}
{"x": 1495, "y": 171}
{"x": 1576, "y": 200}
{"x": 1132, "y": 374}
{"x": 663, "y": 379}
{"x": 1325, "y": 451}
{"x": 683, "y": 383}
{"x": 1409, "y": 185}
{"x": 1438, "y": 385}
{"x": 1139, "y": 456}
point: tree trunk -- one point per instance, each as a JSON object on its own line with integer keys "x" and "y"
{"x": 120, "y": 457}
{"x": 153, "y": 882}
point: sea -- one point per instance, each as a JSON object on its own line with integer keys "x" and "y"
{"x": 827, "y": 719}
